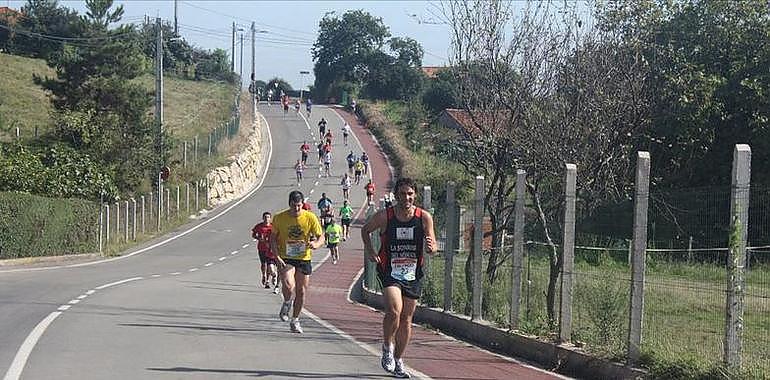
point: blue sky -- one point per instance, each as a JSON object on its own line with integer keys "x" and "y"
{"x": 291, "y": 28}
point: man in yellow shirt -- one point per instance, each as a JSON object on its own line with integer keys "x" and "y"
{"x": 296, "y": 233}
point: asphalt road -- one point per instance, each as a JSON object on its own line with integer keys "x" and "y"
{"x": 189, "y": 308}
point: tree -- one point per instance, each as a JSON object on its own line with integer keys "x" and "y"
{"x": 710, "y": 64}
{"x": 42, "y": 17}
{"x": 344, "y": 47}
{"x": 548, "y": 94}
{"x": 99, "y": 108}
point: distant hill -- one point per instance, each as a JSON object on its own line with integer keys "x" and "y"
{"x": 191, "y": 107}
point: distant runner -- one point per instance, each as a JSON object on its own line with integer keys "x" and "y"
{"x": 333, "y": 234}
{"x": 346, "y": 216}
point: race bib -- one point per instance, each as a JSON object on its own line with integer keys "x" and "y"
{"x": 405, "y": 233}
{"x": 295, "y": 248}
{"x": 403, "y": 269}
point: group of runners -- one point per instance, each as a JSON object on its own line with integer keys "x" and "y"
{"x": 286, "y": 101}
{"x": 286, "y": 243}
{"x": 287, "y": 240}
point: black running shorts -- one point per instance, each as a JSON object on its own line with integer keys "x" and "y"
{"x": 303, "y": 266}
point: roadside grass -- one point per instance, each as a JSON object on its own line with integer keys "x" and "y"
{"x": 684, "y": 315}
{"x": 190, "y": 107}
{"x": 23, "y": 104}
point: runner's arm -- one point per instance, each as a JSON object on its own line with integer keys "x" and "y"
{"x": 430, "y": 234}
{"x": 377, "y": 222}
{"x": 274, "y": 247}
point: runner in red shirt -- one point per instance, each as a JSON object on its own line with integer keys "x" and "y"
{"x": 267, "y": 258}
{"x": 304, "y": 149}
{"x": 370, "y": 192}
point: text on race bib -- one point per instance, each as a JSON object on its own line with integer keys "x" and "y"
{"x": 403, "y": 269}
{"x": 295, "y": 248}
{"x": 405, "y": 233}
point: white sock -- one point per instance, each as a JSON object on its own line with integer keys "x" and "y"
{"x": 295, "y": 319}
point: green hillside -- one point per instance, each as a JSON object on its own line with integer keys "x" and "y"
{"x": 191, "y": 107}
{"x": 22, "y": 103}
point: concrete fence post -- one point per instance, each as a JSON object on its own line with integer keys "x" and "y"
{"x": 160, "y": 202}
{"x": 197, "y": 195}
{"x": 736, "y": 262}
{"x": 18, "y": 133}
{"x": 168, "y": 204}
{"x": 117, "y": 221}
{"x": 177, "y": 201}
{"x": 449, "y": 245}
{"x": 187, "y": 198}
{"x": 478, "y": 254}
{"x": 101, "y": 227}
{"x": 184, "y": 155}
{"x": 208, "y": 201}
{"x": 639, "y": 256}
{"x": 427, "y": 205}
{"x": 107, "y": 223}
{"x": 126, "y": 223}
{"x": 195, "y": 150}
{"x": 461, "y": 217}
{"x": 568, "y": 255}
{"x": 517, "y": 259}
{"x": 149, "y": 202}
{"x": 143, "y": 214}
{"x": 133, "y": 224}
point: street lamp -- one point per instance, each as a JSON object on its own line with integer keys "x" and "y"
{"x": 302, "y": 82}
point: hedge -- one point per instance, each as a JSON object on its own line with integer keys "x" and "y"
{"x": 32, "y": 225}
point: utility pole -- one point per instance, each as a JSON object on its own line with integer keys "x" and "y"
{"x": 253, "y": 75}
{"x": 176, "y": 24}
{"x": 233, "y": 56}
{"x": 241, "y": 59}
{"x": 159, "y": 108}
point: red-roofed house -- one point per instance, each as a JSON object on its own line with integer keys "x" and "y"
{"x": 9, "y": 16}
{"x": 432, "y": 71}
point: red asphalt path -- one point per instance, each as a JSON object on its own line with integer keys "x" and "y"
{"x": 430, "y": 353}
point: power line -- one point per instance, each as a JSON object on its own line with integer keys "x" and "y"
{"x": 62, "y": 38}
{"x": 245, "y": 20}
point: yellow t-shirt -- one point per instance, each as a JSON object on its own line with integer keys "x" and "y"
{"x": 293, "y": 234}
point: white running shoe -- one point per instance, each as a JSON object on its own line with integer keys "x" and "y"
{"x": 388, "y": 362}
{"x": 284, "y": 313}
{"x": 275, "y": 290}
{"x": 295, "y": 326}
{"x": 399, "y": 370}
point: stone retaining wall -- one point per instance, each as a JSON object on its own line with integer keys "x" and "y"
{"x": 232, "y": 181}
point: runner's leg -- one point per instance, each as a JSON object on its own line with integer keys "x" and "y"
{"x": 404, "y": 332}
{"x": 302, "y": 281}
{"x": 393, "y": 307}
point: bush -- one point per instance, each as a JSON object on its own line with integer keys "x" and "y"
{"x": 58, "y": 172}
{"x": 37, "y": 226}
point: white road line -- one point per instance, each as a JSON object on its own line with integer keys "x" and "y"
{"x": 105, "y": 286}
{"x": 222, "y": 258}
{"x": 74, "y": 302}
{"x": 20, "y": 360}
{"x": 213, "y": 218}
{"x": 316, "y": 182}
{"x": 175, "y": 273}
{"x": 233, "y": 252}
{"x": 64, "y": 307}
{"x": 90, "y": 292}
{"x": 208, "y": 264}
{"x": 311, "y": 191}
{"x": 80, "y": 297}
{"x": 367, "y": 347}
{"x": 245, "y": 246}
{"x": 192, "y": 269}
{"x": 155, "y": 276}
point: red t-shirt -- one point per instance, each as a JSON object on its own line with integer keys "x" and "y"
{"x": 304, "y": 148}
{"x": 370, "y": 188}
{"x": 261, "y": 232}
{"x": 306, "y": 206}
